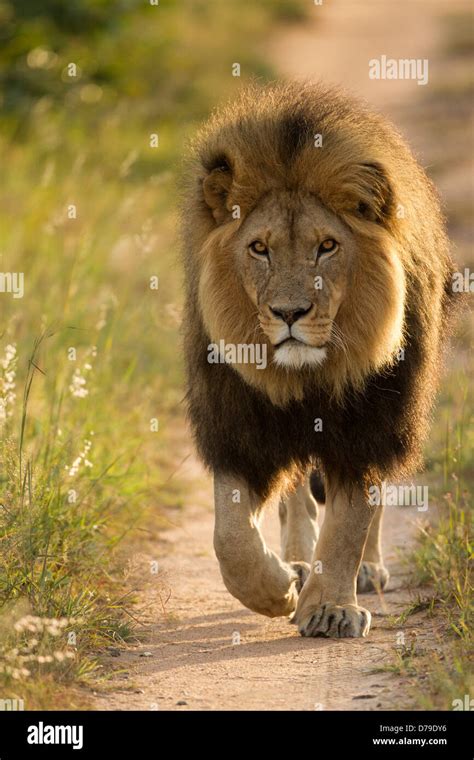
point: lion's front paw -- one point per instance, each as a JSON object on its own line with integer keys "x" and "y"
{"x": 303, "y": 569}
{"x": 371, "y": 577}
{"x": 334, "y": 620}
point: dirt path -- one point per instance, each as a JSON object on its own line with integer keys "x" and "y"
{"x": 188, "y": 657}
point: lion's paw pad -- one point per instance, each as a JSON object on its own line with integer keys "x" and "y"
{"x": 333, "y": 620}
{"x": 371, "y": 577}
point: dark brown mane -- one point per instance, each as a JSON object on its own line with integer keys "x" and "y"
{"x": 369, "y": 433}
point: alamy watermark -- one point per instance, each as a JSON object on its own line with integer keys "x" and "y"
{"x": 11, "y": 705}
{"x": 463, "y": 282}
{"x": 42, "y": 733}
{"x": 467, "y": 703}
{"x": 402, "y": 68}
{"x": 12, "y": 282}
{"x": 399, "y": 496}
{"x": 237, "y": 353}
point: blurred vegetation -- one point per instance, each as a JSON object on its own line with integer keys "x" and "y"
{"x": 442, "y": 558}
{"x": 443, "y": 555}
{"x": 157, "y": 62}
{"x": 90, "y": 365}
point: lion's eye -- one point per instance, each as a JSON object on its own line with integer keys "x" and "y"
{"x": 327, "y": 246}
{"x": 258, "y": 247}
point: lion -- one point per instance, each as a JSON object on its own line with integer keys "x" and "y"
{"x": 311, "y": 232}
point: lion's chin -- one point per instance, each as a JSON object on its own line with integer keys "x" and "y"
{"x": 295, "y": 355}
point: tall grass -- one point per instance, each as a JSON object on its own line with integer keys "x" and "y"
{"x": 443, "y": 555}
{"x": 90, "y": 373}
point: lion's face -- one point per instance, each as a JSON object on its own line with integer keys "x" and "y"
{"x": 295, "y": 257}
{"x": 314, "y": 278}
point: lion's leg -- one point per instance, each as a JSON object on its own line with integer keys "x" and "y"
{"x": 327, "y": 605}
{"x": 373, "y": 575}
{"x": 299, "y": 528}
{"x": 251, "y": 572}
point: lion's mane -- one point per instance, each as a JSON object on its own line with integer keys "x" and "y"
{"x": 374, "y": 411}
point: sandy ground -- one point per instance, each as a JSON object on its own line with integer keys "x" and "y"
{"x": 199, "y": 648}
{"x": 188, "y": 657}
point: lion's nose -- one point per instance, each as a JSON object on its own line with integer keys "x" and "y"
{"x": 290, "y": 316}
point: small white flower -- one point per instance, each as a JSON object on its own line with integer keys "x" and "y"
{"x": 7, "y": 382}
{"x": 78, "y": 384}
{"x": 79, "y": 381}
{"x": 82, "y": 459}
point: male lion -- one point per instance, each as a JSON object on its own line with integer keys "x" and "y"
{"x": 311, "y": 231}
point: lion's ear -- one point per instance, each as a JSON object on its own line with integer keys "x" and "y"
{"x": 216, "y": 187}
{"x": 374, "y": 195}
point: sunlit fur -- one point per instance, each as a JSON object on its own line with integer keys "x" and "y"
{"x": 395, "y": 291}
{"x": 297, "y": 356}
{"x": 371, "y": 315}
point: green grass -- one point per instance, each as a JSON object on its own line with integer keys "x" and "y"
{"x": 96, "y": 356}
{"x": 442, "y": 559}
{"x": 440, "y": 669}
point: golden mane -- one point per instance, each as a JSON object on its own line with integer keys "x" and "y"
{"x": 317, "y": 140}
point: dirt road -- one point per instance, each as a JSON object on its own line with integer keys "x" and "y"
{"x": 189, "y": 656}
{"x": 199, "y": 648}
